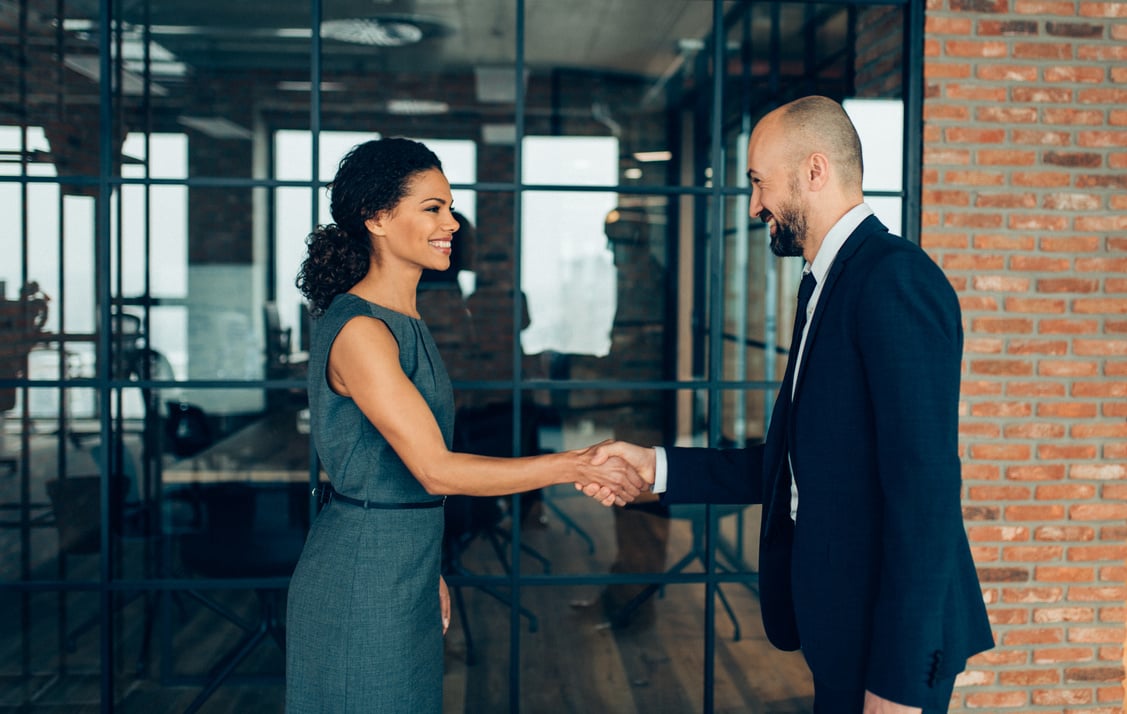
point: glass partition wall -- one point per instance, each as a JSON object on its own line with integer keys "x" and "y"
{"x": 161, "y": 163}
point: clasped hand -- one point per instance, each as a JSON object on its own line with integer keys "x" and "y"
{"x": 614, "y": 473}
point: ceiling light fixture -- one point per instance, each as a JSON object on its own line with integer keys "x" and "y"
{"x": 382, "y": 31}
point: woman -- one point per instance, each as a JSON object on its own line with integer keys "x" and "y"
{"x": 367, "y": 607}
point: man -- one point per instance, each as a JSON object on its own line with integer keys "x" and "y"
{"x": 864, "y": 560}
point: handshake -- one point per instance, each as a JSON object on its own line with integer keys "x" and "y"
{"x": 614, "y": 473}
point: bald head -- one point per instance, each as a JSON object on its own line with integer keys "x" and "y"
{"x": 819, "y": 124}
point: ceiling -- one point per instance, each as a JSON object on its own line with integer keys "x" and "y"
{"x": 639, "y": 37}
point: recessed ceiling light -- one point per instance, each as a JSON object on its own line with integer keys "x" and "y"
{"x": 647, "y": 156}
{"x": 417, "y": 106}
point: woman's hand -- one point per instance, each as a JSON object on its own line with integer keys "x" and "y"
{"x": 444, "y": 604}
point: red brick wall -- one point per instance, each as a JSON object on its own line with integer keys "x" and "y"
{"x": 1025, "y": 207}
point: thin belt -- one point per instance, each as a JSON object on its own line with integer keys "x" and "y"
{"x": 328, "y": 495}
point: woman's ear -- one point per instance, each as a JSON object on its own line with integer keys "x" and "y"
{"x": 375, "y": 224}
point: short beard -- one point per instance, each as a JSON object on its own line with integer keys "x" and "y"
{"x": 790, "y": 232}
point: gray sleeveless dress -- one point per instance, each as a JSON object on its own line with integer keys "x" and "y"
{"x": 364, "y": 632}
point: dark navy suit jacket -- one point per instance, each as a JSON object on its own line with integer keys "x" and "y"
{"x": 874, "y": 580}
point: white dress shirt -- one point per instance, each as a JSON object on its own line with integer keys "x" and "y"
{"x": 827, "y": 252}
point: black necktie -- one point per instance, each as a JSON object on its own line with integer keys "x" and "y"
{"x": 805, "y": 290}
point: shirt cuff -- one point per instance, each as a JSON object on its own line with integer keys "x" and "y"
{"x": 661, "y": 470}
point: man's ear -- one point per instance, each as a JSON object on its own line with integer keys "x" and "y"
{"x": 817, "y": 171}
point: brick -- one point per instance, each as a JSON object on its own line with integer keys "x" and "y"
{"x": 1040, "y": 264}
{"x": 1063, "y": 574}
{"x": 946, "y": 155}
{"x": 1102, "y": 593}
{"x": 974, "y": 135}
{"x": 1031, "y": 595}
{"x": 1098, "y": 472}
{"x": 1006, "y": 114}
{"x": 1093, "y": 635}
{"x": 973, "y": 220}
{"x": 1105, "y": 306}
{"x": 1038, "y": 472}
{"x": 1006, "y": 73}
{"x": 1002, "y": 409}
{"x": 1047, "y": 697}
{"x": 1073, "y": 117}
{"x": 973, "y": 262}
{"x": 1097, "y": 552}
{"x": 1068, "y": 285}
{"x": 1053, "y": 222}
{"x": 981, "y": 472}
{"x": 1045, "y": 7}
{"x": 1064, "y": 533}
{"x": 949, "y": 112}
{"x": 995, "y": 700}
{"x": 1032, "y": 553}
{"x": 1062, "y": 654}
{"x": 938, "y": 25}
{"x": 1072, "y": 202}
{"x": 974, "y": 178}
{"x": 1097, "y": 511}
{"x": 1082, "y": 30}
{"x": 991, "y": 6}
{"x": 1033, "y": 430}
{"x": 1034, "y": 636}
{"x": 1100, "y": 347}
{"x": 1101, "y": 223}
{"x": 1103, "y": 9}
{"x": 1067, "y": 369}
{"x": 1101, "y": 181}
{"x": 1040, "y": 137}
{"x": 1073, "y": 159}
{"x": 1101, "y": 53}
{"x": 1042, "y": 50}
{"x": 1067, "y": 410}
{"x": 1067, "y": 452}
{"x": 980, "y": 513}
{"x": 1005, "y": 200}
{"x": 981, "y": 430}
{"x": 1102, "y": 265}
{"x": 1099, "y": 431}
{"x": 1065, "y": 491}
{"x": 1037, "y": 306}
{"x": 1041, "y": 179}
{"x": 983, "y": 554}
{"x": 1028, "y": 677}
{"x": 979, "y": 345}
{"x": 998, "y": 533}
{"x": 1008, "y": 28}
{"x": 1075, "y": 74}
{"x": 999, "y": 493}
{"x": 1001, "y": 283}
{"x": 1033, "y": 389}
{"x": 997, "y": 325}
{"x": 1093, "y": 674}
{"x": 974, "y": 48}
{"x": 1070, "y": 244}
{"x": 1068, "y": 327}
{"x": 1102, "y": 138}
{"x": 978, "y": 303}
{"x": 1010, "y": 368}
{"x": 1063, "y": 614}
{"x": 1003, "y": 575}
{"x": 997, "y": 616}
{"x": 1037, "y": 512}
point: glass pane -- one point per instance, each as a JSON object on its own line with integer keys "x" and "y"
{"x": 438, "y": 73}
{"x": 220, "y": 77}
{"x": 589, "y": 79}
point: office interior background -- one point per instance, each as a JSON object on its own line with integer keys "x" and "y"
{"x": 162, "y": 161}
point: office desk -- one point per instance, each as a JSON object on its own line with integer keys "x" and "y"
{"x": 271, "y": 450}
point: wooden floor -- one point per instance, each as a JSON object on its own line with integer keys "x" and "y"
{"x": 573, "y": 662}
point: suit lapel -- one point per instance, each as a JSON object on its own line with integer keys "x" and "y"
{"x": 851, "y": 245}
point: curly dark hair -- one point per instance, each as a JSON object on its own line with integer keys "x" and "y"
{"x": 372, "y": 177}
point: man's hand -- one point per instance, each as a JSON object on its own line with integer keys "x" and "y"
{"x": 641, "y": 459}
{"x": 611, "y": 481}
{"x": 875, "y": 704}
{"x": 444, "y": 603}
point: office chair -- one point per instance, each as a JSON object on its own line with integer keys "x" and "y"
{"x": 695, "y": 515}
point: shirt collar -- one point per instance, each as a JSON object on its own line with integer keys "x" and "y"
{"x": 833, "y": 241}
